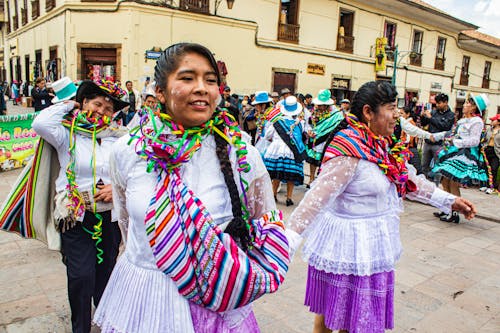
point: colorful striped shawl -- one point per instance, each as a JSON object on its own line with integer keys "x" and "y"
{"x": 206, "y": 264}
{"x": 33, "y": 187}
{"x": 358, "y": 141}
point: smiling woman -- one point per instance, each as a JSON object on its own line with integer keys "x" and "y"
{"x": 204, "y": 236}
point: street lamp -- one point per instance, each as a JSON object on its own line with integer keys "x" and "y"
{"x": 230, "y": 4}
{"x": 396, "y": 53}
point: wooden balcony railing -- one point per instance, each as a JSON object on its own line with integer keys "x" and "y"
{"x": 345, "y": 43}
{"x": 486, "y": 83}
{"x": 198, "y": 6}
{"x": 24, "y": 16}
{"x": 288, "y": 33}
{"x": 49, "y": 4}
{"x": 389, "y": 53}
{"x": 464, "y": 79}
{"x": 439, "y": 63}
{"x": 35, "y": 9}
{"x": 415, "y": 59}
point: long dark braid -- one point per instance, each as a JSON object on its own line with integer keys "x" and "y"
{"x": 237, "y": 228}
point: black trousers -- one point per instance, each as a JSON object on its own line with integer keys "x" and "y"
{"x": 494, "y": 163}
{"x": 86, "y": 278}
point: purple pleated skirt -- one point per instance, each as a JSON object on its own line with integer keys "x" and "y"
{"x": 358, "y": 304}
{"x": 206, "y": 321}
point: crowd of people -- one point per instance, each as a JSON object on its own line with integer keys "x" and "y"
{"x": 199, "y": 250}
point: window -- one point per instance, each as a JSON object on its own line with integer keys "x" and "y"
{"x": 49, "y": 4}
{"x": 464, "y": 74}
{"x": 199, "y": 6}
{"x": 35, "y": 9}
{"x": 345, "y": 38}
{"x": 390, "y": 34}
{"x": 416, "y": 48}
{"x": 486, "y": 75}
{"x": 38, "y": 72}
{"x": 439, "y": 61}
{"x": 24, "y": 13}
{"x": 288, "y": 23}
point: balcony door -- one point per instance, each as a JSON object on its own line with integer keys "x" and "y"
{"x": 345, "y": 38}
{"x": 288, "y": 23}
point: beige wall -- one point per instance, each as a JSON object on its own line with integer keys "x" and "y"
{"x": 249, "y": 60}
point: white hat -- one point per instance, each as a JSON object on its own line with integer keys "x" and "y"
{"x": 324, "y": 98}
{"x": 64, "y": 89}
{"x": 290, "y": 106}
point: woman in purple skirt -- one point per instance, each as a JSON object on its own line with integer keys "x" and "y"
{"x": 351, "y": 217}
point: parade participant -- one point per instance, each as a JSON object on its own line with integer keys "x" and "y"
{"x": 350, "y": 217}
{"x": 276, "y": 97}
{"x": 462, "y": 161}
{"x": 284, "y": 158}
{"x": 345, "y": 104}
{"x": 263, "y": 106}
{"x": 41, "y": 96}
{"x": 179, "y": 272}
{"x": 82, "y": 134}
{"x": 321, "y": 123}
{"x": 492, "y": 150}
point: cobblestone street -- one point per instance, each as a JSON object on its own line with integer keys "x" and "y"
{"x": 448, "y": 279}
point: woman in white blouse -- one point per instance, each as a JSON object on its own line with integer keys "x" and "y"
{"x": 351, "y": 217}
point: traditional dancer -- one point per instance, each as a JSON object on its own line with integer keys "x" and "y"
{"x": 284, "y": 158}
{"x": 321, "y": 123}
{"x": 184, "y": 177}
{"x": 81, "y": 133}
{"x": 263, "y": 113}
{"x": 350, "y": 217}
{"x": 462, "y": 160}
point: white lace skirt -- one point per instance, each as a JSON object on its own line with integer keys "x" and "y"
{"x": 353, "y": 245}
{"x": 278, "y": 149}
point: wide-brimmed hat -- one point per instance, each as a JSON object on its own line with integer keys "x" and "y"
{"x": 324, "y": 98}
{"x": 104, "y": 88}
{"x": 64, "y": 88}
{"x": 275, "y": 94}
{"x": 261, "y": 97}
{"x": 290, "y": 106}
{"x": 285, "y": 91}
{"x": 482, "y": 101}
{"x": 345, "y": 100}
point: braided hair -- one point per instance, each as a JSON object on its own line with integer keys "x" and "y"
{"x": 165, "y": 65}
{"x": 237, "y": 228}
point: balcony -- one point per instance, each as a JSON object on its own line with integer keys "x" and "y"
{"x": 486, "y": 83}
{"x": 2, "y": 10}
{"x": 464, "y": 79}
{"x": 416, "y": 59}
{"x": 197, "y": 6}
{"x": 439, "y": 63}
{"x": 24, "y": 16}
{"x": 35, "y": 9}
{"x": 345, "y": 43}
{"x": 288, "y": 33}
{"x": 49, "y": 4}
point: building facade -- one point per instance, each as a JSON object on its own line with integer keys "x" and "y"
{"x": 260, "y": 44}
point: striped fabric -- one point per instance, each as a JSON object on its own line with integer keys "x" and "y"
{"x": 206, "y": 264}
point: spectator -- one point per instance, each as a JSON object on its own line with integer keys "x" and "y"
{"x": 439, "y": 121}
{"x": 345, "y": 105}
{"x": 15, "y": 92}
{"x": 492, "y": 150}
{"x": 134, "y": 100}
{"x": 41, "y": 96}
{"x": 3, "y": 106}
{"x": 308, "y": 102}
{"x": 276, "y": 97}
{"x": 229, "y": 103}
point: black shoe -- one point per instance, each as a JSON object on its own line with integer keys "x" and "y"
{"x": 308, "y": 186}
{"x": 289, "y": 202}
{"x": 453, "y": 217}
{"x": 439, "y": 214}
{"x": 276, "y": 198}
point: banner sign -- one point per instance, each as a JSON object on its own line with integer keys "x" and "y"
{"x": 17, "y": 140}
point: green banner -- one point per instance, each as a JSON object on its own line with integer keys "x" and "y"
{"x": 17, "y": 140}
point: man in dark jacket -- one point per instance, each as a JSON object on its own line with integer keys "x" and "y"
{"x": 440, "y": 120}
{"x": 41, "y": 96}
{"x": 229, "y": 103}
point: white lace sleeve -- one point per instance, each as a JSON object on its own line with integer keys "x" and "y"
{"x": 413, "y": 130}
{"x": 335, "y": 175}
{"x": 473, "y": 139}
{"x": 427, "y": 192}
{"x": 119, "y": 185}
{"x": 260, "y": 197}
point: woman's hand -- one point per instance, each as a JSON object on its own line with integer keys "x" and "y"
{"x": 105, "y": 193}
{"x": 465, "y": 207}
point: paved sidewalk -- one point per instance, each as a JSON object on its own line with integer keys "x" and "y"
{"x": 448, "y": 279}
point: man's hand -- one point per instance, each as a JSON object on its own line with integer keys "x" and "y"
{"x": 427, "y": 114}
{"x": 465, "y": 207}
{"x": 432, "y": 138}
{"x": 104, "y": 194}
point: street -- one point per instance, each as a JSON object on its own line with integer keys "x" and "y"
{"x": 448, "y": 279}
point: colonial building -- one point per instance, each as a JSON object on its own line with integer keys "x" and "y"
{"x": 260, "y": 44}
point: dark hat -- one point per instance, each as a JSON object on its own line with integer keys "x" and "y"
{"x": 104, "y": 88}
{"x": 285, "y": 91}
{"x": 227, "y": 88}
